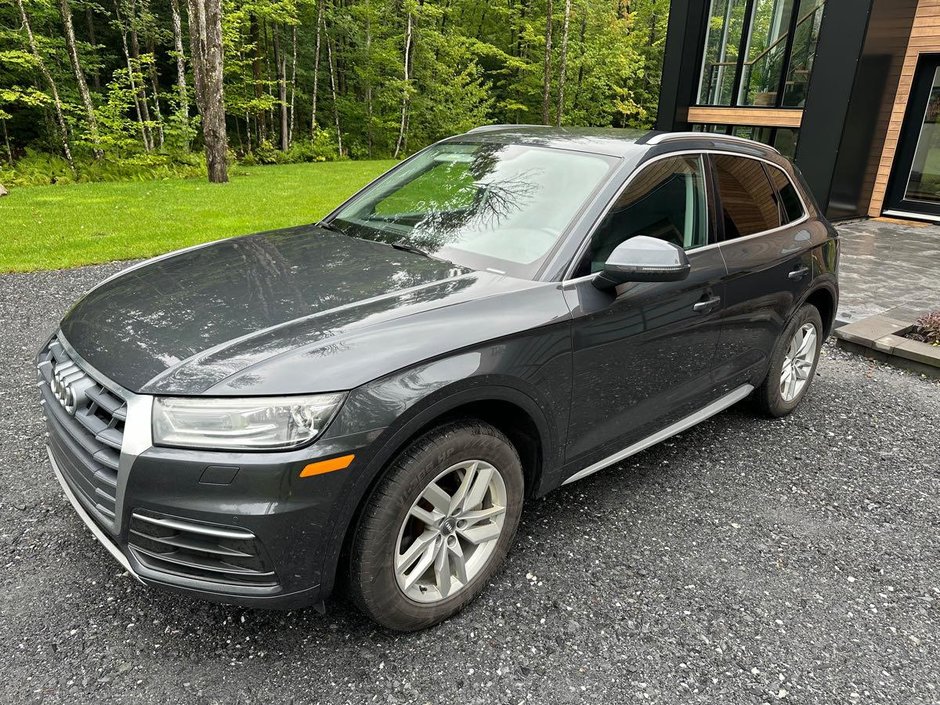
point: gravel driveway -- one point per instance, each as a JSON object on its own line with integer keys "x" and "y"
{"x": 745, "y": 561}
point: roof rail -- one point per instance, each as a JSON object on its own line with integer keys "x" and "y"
{"x": 666, "y": 136}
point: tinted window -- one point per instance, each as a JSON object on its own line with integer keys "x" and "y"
{"x": 791, "y": 208}
{"x": 747, "y": 199}
{"x": 665, "y": 200}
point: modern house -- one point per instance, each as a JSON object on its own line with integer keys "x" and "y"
{"x": 850, "y": 89}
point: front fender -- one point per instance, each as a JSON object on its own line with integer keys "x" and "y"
{"x": 532, "y": 372}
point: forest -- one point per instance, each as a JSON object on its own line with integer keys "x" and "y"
{"x": 124, "y": 89}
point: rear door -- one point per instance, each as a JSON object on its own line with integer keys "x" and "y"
{"x": 767, "y": 249}
{"x": 643, "y": 354}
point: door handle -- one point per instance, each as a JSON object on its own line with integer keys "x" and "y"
{"x": 798, "y": 274}
{"x": 707, "y": 305}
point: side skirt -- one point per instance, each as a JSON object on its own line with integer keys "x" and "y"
{"x": 678, "y": 427}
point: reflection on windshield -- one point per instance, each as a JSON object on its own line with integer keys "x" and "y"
{"x": 486, "y": 206}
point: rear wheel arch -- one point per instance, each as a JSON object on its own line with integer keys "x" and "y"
{"x": 825, "y": 302}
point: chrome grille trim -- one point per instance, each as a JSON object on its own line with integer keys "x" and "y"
{"x": 222, "y": 556}
{"x": 85, "y": 421}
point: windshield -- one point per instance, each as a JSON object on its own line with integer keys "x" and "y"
{"x": 484, "y": 206}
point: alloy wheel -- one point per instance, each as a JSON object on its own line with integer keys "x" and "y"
{"x": 798, "y": 362}
{"x": 450, "y": 532}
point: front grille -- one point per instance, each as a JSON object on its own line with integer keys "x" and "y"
{"x": 85, "y": 421}
{"x": 226, "y": 556}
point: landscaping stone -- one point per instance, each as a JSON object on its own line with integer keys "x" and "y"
{"x": 882, "y": 337}
{"x": 3, "y": 191}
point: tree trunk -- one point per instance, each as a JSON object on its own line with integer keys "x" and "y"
{"x": 280, "y": 62}
{"x": 205, "y": 35}
{"x": 577, "y": 92}
{"x": 547, "y": 70}
{"x": 406, "y": 92}
{"x": 293, "y": 85}
{"x": 93, "y": 40}
{"x": 564, "y": 64}
{"x": 122, "y": 30}
{"x": 60, "y": 116}
{"x": 6, "y": 140}
{"x": 339, "y": 131}
{"x": 316, "y": 70}
{"x": 181, "y": 89}
{"x": 135, "y": 55}
{"x": 154, "y": 77}
{"x": 70, "y": 45}
{"x": 368, "y": 79}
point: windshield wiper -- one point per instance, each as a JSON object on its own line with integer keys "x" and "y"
{"x": 331, "y": 227}
{"x": 408, "y": 247}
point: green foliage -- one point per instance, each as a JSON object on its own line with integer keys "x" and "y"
{"x": 468, "y": 63}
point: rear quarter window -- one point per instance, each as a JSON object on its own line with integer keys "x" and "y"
{"x": 791, "y": 207}
{"x": 748, "y": 200}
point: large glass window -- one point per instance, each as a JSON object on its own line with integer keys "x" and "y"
{"x": 666, "y": 200}
{"x": 784, "y": 139}
{"x": 759, "y": 52}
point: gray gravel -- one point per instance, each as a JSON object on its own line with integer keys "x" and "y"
{"x": 746, "y": 561}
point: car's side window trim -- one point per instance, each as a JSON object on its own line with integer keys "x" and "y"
{"x": 766, "y": 162}
{"x": 708, "y": 215}
{"x": 779, "y": 196}
{"x": 568, "y": 278}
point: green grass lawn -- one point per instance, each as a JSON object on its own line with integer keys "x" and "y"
{"x": 53, "y": 227}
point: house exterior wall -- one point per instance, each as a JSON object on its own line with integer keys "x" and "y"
{"x": 924, "y": 39}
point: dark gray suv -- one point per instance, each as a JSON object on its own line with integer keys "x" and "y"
{"x": 370, "y": 400}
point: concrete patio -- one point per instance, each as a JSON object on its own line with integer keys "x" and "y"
{"x": 886, "y": 264}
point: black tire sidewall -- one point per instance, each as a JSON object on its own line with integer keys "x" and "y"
{"x": 373, "y": 584}
{"x": 771, "y": 399}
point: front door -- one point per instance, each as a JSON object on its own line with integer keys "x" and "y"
{"x": 914, "y": 188}
{"x": 643, "y": 353}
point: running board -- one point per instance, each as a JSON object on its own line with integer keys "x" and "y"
{"x": 678, "y": 427}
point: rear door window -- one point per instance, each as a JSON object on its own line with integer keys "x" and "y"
{"x": 748, "y": 201}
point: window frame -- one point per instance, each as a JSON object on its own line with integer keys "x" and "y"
{"x": 722, "y": 240}
{"x": 713, "y": 201}
{"x": 711, "y": 239}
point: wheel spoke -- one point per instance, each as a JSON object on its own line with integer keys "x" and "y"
{"x": 478, "y": 515}
{"x": 407, "y": 559}
{"x": 442, "y": 571}
{"x": 437, "y": 497}
{"x": 477, "y": 491}
{"x": 458, "y": 562}
{"x": 465, "y": 484}
{"x": 480, "y": 533}
{"x": 807, "y": 344}
{"x": 427, "y": 560}
{"x": 424, "y": 515}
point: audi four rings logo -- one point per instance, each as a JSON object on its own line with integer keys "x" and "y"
{"x": 68, "y": 385}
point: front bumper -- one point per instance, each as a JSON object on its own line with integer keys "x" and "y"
{"x": 239, "y": 528}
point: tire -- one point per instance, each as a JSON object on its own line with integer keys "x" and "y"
{"x": 391, "y": 544}
{"x": 774, "y": 397}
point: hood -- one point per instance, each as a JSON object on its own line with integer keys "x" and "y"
{"x": 182, "y": 323}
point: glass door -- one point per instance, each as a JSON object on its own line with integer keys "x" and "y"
{"x": 915, "y": 180}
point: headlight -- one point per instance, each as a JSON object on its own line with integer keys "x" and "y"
{"x": 249, "y": 423}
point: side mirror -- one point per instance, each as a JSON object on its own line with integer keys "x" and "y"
{"x": 643, "y": 259}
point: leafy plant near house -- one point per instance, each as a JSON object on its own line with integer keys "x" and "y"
{"x": 926, "y": 329}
